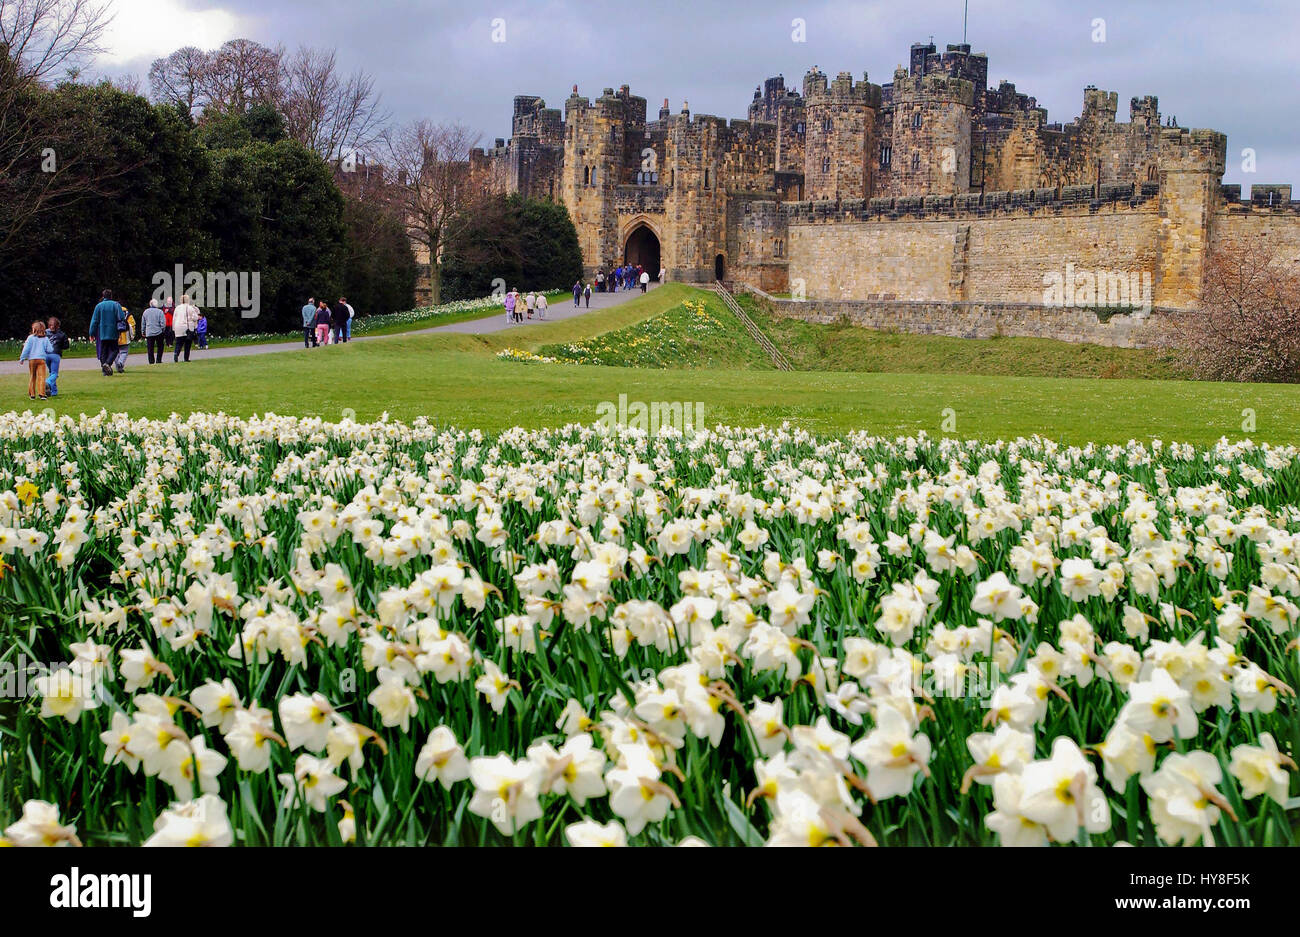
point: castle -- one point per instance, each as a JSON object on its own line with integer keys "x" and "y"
{"x": 933, "y": 188}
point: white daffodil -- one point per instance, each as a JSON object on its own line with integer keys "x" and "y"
{"x": 1061, "y": 793}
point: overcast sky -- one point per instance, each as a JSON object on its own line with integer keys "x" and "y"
{"x": 1212, "y": 64}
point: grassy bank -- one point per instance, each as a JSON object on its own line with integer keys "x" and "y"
{"x": 844, "y": 347}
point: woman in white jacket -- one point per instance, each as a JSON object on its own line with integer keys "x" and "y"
{"x": 184, "y": 321}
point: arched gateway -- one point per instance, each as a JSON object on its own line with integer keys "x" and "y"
{"x": 642, "y": 248}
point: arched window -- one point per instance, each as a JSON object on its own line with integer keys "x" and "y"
{"x": 826, "y": 125}
{"x": 586, "y": 176}
{"x": 916, "y": 162}
{"x": 706, "y": 178}
{"x": 916, "y": 120}
{"x": 826, "y": 164}
{"x": 593, "y": 175}
{"x": 886, "y": 155}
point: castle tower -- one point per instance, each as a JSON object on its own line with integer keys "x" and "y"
{"x": 840, "y": 136}
{"x": 1191, "y": 163}
{"x": 776, "y": 104}
{"x": 695, "y": 201}
{"x": 596, "y": 146}
{"x": 931, "y": 133}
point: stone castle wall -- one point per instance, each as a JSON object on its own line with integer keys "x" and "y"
{"x": 932, "y": 188}
{"x": 979, "y": 320}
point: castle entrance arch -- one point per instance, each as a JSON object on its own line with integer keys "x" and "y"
{"x": 642, "y": 248}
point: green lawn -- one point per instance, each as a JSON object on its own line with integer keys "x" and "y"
{"x": 457, "y": 379}
{"x": 844, "y": 347}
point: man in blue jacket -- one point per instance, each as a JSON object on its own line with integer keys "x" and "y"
{"x": 309, "y": 324}
{"x": 103, "y": 328}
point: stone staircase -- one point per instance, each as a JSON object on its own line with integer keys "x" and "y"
{"x": 778, "y": 359}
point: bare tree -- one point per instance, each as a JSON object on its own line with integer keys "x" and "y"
{"x": 429, "y": 166}
{"x": 179, "y": 79}
{"x": 43, "y": 37}
{"x": 1248, "y": 326}
{"x": 46, "y": 155}
{"x": 333, "y": 115}
{"x": 240, "y": 74}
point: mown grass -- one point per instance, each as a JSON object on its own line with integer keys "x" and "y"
{"x": 844, "y": 347}
{"x": 456, "y": 379}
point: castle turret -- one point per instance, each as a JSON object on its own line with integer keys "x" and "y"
{"x": 840, "y": 136}
{"x": 1190, "y": 165}
{"x": 931, "y": 134}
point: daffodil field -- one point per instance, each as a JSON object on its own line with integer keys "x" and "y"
{"x": 282, "y": 631}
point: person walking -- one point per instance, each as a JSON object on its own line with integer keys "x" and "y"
{"x": 577, "y": 293}
{"x": 35, "y": 350}
{"x": 309, "y": 323}
{"x": 185, "y": 320}
{"x": 586, "y": 294}
{"x": 510, "y": 306}
{"x": 663, "y": 275}
{"x": 352, "y": 314}
{"x": 59, "y": 343}
{"x": 541, "y": 305}
{"x": 645, "y": 280}
{"x": 153, "y": 322}
{"x": 322, "y": 323}
{"x": 530, "y": 302}
{"x": 125, "y": 333}
{"x": 202, "y": 331}
{"x": 103, "y": 328}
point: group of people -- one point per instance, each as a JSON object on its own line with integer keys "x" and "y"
{"x": 626, "y": 277}
{"x": 113, "y": 328}
{"x": 164, "y": 325}
{"x": 518, "y": 306}
{"x": 323, "y": 324}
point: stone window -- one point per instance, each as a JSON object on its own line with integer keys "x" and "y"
{"x": 586, "y": 176}
{"x": 916, "y": 120}
{"x": 799, "y": 129}
{"x": 886, "y": 155}
{"x": 916, "y": 162}
{"x": 826, "y": 164}
{"x": 706, "y": 178}
{"x": 826, "y": 125}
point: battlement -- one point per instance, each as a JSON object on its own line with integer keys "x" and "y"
{"x": 1074, "y": 199}
{"x": 1099, "y": 106}
{"x": 1200, "y": 150}
{"x": 1265, "y": 198}
{"x": 936, "y": 87}
{"x": 1144, "y": 110}
{"x": 843, "y": 90}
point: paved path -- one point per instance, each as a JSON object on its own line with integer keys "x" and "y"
{"x": 561, "y": 309}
